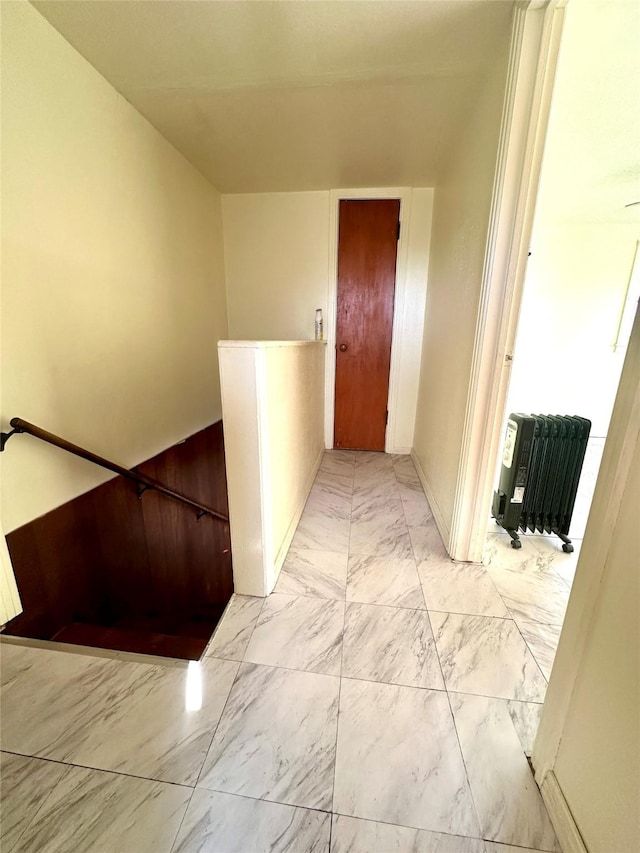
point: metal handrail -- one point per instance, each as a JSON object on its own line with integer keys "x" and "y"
{"x": 143, "y": 482}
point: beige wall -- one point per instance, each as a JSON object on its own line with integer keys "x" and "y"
{"x": 112, "y": 274}
{"x": 589, "y": 736}
{"x": 598, "y": 763}
{"x": 277, "y": 251}
{"x": 277, "y": 263}
{"x": 294, "y": 402}
{"x": 273, "y": 406}
{"x": 458, "y": 240}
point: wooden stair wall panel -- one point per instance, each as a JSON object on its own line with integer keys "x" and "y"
{"x": 108, "y": 555}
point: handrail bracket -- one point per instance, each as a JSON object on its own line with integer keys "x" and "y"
{"x": 5, "y": 436}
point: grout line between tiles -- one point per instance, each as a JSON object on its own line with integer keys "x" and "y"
{"x": 535, "y": 659}
{"x": 71, "y": 764}
{"x": 530, "y": 650}
{"x": 464, "y": 763}
{"x": 265, "y": 800}
{"x": 418, "y": 828}
{"x": 508, "y": 618}
{"x": 233, "y": 683}
{"x": 184, "y": 814}
{"x": 215, "y": 728}
{"x": 335, "y": 754}
{"x": 45, "y": 800}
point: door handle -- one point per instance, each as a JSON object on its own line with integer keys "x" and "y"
{"x": 343, "y": 347}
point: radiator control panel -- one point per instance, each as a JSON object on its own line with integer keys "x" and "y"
{"x": 509, "y": 443}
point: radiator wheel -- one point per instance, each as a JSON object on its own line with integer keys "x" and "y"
{"x": 516, "y": 543}
{"x": 567, "y": 548}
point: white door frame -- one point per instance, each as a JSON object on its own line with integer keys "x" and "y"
{"x": 535, "y": 41}
{"x": 335, "y": 196}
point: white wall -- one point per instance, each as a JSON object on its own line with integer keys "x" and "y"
{"x": 112, "y": 274}
{"x": 277, "y": 259}
{"x": 273, "y": 409}
{"x": 584, "y": 237}
{"x": 461, "y": 211}
{"x": 588, "y": 744}
{"x": 574, "y": 290}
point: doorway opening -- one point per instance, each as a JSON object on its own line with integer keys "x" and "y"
{"x": 578, "y": 297}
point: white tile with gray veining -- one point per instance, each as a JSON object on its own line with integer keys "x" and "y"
{"x": 375, "y": 496}
{"x": 373, "y": 460}
{"x": 539, "y": 596}
{"x": 45, "y": 694}
{"x": 91, "y": 810}
{"x": 525, "y": 717}
{"x": 369, "y": 477}
{"x": 405, "y": 470}
{"x": 390, "y": 644}
{"x": 384, "y": 580}
{"x": 496, "y": 847}
{"x": 506, "y": 796}
{"x": 542, "y": 641}
{"x": 564, "y": 565}
{"x": 337, "y": 462}
{"x": 410, "y": 491}
{"x": 486, "y": 656}
{"x": 277, "y": 737}
{"x": 338, "y": 483}
{"x": 321, "y": 533}
{"x": 459, "y": 588}
{"x": 25, "y": 784}
{"x": 232, "y": 635}
{"x": 398, "y": 759}
{"x": 317, "y": 573}
{"x": 417, "y": 511}
{"x": 324, "y": 502}
{"x": 299, "y": 632}
{"x": 354, "y": 835}
{"x": 227, "y": 823}
{"x": 370, "y": 504}
{"x": 427, "y": 543}
{"x": 497, "y": 552}
{"x": 262, "y": 748}
{"x": 384, "y": 534}
{"x": 111, "y": 714}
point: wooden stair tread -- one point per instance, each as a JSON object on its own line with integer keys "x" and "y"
{"x": 130, "y": 640}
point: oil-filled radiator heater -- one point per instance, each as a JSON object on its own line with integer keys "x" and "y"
{"x": 541, "y": 466}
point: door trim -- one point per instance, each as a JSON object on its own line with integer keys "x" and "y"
{"x": 535, "y": 42}
{"x": 335, "y": 197}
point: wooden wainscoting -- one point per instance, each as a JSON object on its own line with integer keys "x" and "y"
{"x": 145, "y": 569}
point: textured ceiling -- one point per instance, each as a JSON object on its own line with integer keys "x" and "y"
{"x": 279, "y": 96}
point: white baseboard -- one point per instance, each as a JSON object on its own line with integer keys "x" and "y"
{"x": 443, "y": 527}
{"x": 288, "y": 537}
{"x": 561, "y": 817}
{"x": 400, "y": 451}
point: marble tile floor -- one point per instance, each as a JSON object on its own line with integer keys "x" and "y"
{"x": 381, "y": 699}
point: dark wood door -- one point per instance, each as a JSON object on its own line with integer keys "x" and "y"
{"x": 367, "y": 249}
